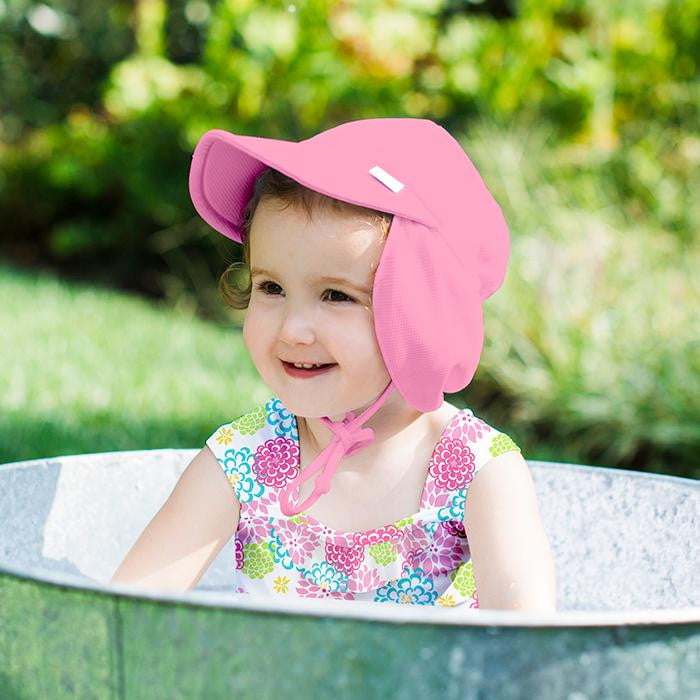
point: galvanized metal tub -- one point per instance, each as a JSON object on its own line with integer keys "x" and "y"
{"x": 628, "y": 626}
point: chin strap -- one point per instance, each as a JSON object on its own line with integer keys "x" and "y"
{"x": 349, "y": 437}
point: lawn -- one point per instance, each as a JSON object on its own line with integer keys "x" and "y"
{"x": 86, "y": 369}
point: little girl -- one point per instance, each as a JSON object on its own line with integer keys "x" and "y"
{"x": 371, "y": 248}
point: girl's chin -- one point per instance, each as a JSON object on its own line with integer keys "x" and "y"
{"x": 310, "y": 409}
{"x": 315, "y": 415}
{"x": 305, "y": 403}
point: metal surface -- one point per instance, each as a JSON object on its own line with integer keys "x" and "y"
{"x": 628, "y": 625}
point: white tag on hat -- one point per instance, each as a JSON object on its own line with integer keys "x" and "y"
{"x": 383, "y": 176}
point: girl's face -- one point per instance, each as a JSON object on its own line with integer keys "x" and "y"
{"x": 296, "y": 315}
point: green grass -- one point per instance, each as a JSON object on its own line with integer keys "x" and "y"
{"x": 86, "y": 369}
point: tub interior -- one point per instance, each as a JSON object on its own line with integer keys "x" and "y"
{"x": 621, "y": 540}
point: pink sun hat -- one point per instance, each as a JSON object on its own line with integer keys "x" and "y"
{"x": 447, "y": 249}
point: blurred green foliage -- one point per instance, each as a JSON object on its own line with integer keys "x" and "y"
{"x": 103, "y": 102}
{"x": 581, "y": 116}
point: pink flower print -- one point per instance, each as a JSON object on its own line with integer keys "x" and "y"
{"x": 345, "y": 559}
{"x": 415, "y": 540}
{"x": 365, "y": 579}
{"x": 435, "y": 497}
{"x": 444, "y": 553}
{"x": 380, "y": 534}
{"x": 452, "y": 464}
{"x": 467, "y": 427}
{"x": 238, "y": 546}
{"x": 253, "y": 528}
{"x": 276, "y": 461}
{"x": 454, "y": 527}
{"x": 296, "y": 539}
{"x": 323, "y": 532}
{"x": 307, "y": 589}
{"x": 412, "y": 558}
{"x": 260, "y": 507}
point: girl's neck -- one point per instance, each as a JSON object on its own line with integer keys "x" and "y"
{"x": 393, "y": 425}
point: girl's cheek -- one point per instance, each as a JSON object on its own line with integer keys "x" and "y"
{"x": 245, "y": 334}
{"x": 249, "y": 329}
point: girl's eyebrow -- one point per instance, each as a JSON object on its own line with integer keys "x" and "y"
{"x": 325, "y": 279}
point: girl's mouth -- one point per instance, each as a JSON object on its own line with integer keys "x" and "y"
{"x": 293, "y": 371}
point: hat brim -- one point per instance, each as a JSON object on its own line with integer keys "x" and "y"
{"x": 225, "y": 166}
{"x": 223, "y": 173}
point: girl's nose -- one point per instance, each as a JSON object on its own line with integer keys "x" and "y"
{"x": 297, "y": 326}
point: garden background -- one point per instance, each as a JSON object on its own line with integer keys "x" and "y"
{"x": 582, "y": 116}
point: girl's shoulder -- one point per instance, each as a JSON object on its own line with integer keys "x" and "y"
{"x": 475, "y": 434}
{"x": 253, "y": 448}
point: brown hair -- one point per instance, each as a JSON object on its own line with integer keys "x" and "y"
{"x": 272, "y": 184}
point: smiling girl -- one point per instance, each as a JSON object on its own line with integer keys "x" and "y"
{"x": 370, "y": 249}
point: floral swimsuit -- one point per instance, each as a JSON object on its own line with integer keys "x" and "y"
{"x": 423, "y": 559}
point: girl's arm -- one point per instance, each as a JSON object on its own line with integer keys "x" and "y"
{"x": 187, "y": 533}
{"x": 511, "y": 556}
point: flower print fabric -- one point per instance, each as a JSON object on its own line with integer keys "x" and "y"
{"x": 422, "y": 559}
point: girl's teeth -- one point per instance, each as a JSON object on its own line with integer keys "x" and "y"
{"x": 300, "y": 366}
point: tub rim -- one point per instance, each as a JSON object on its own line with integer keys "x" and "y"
{"x": 365, "y": 611}
{"x": 459, "y": 615}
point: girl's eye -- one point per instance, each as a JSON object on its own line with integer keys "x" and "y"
{"x": 263, "y": 287}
